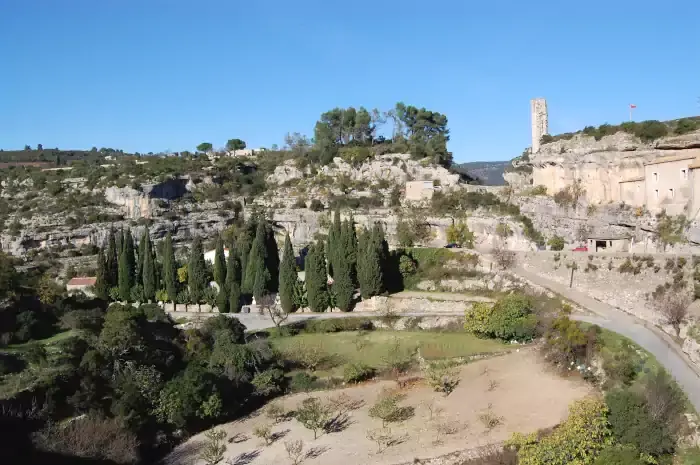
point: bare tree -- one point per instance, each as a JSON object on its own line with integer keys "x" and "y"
{"x": 268, "y": 306}
{"x": 505, "y": 259}
{"x": 674, "y": 308}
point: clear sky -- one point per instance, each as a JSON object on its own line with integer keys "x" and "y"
{"x": 153, "y": 75}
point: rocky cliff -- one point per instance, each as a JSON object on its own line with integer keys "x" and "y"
{"x": 599, "y": 164}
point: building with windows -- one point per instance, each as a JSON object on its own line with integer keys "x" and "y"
{"x": 668, "y": 183}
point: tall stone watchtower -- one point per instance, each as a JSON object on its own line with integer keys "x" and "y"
{"x": 539, "y": 121}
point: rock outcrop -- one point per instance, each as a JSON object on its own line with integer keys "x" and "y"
{"x": 599, "y": 164}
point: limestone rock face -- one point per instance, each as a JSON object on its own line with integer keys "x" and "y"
{"x": 599, "y": 164}
{"x": 396, "y": 168}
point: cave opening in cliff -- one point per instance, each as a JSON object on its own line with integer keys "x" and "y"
{"x": 601, "y": 245}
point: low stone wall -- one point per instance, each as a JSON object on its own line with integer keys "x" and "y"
{"x": 190, "y": 308}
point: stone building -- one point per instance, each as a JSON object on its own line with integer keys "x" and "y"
{"x": 608, "y": 242}
{"x": 668, "y": 183}
{"x": 82, "y": 284}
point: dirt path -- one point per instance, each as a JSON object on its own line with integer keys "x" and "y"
{"x": 520, "y": 389}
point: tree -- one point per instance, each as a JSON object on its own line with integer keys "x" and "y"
{"x": 204, "y": 147}
{"x": 343, "y": 287}
{"x": 256, "y": 259}
{"x": 333, "y": 250}
{"x": 556, "y": 243}
{"x": 140, "y": 257}
{"x": 313, "y": 415}
{"x": 112, "y": 260}
{"x": 214, "y": 447}
{"x": 169, "y": 268}
{"x": 149, "y": 271}
{"x": 348, "y": 244}
{"x": 233, "y": 282}
{"x": 124, "y": 276}
{"x": 316, "y": 279}
{"x": 130, "y": 251}
{"x": 197, "y": 272}
{"x": 287, "y": 277}
{"x": 460, "y": 234}
{"x": 220, "y": 263}
{"x": 101, "y": 287}
{"x": 235, "y": 144}
{"x": 369, "y": 269}
{"x": 272, "y": 258}
{"x": 674, "y": 308}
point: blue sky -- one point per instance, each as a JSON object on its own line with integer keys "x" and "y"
{"x": 151, "y": 75}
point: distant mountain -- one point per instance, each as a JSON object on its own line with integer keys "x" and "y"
{"x": 489, "y": 172}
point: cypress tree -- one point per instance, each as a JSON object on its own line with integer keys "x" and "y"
{"x": 262, "y": 282}
{"x": 348, "y": 240}
{"x": 130, "y": 256}
{"x": 343, "y": 287}
{"x": 220, "y": 263}
{"x": 197, "y": 272}
{"x": 141, "y": 257}
{"x": 101, "y": 289}
{"x": 244, "y": 243}
{"x": 169, "y": 268}
{"x": 316, "y": 279}
{"x": 369, "y": 265}
{"x": 124, "y": 281}
{"x": 222, "y": 299}
{"x": 112, "y": 260}
{"x": 233, "y": 282}
{"x": 120, "y": 241}
{"x": 148, "y": 273}
{"x": 334, "y": 242}
{"x": 272, "y": 259}
{"x": 288, "y": 277}
{"x": 256, "y": 260}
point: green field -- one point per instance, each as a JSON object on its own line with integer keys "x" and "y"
{"x": 13, "y": 348}
{"x": 372, "y": 348}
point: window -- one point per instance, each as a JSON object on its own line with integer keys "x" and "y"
{"x": 671, "y": 193}
{"x": 638, "y": 187}
{"x": 656, "y": 177}
{"x": 656, "y": 194}
{"x": 684, "y": 174}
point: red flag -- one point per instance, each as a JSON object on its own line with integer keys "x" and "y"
{"x": 632, "y": 105}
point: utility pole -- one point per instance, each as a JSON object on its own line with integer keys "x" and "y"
{"x": 574, "y": 266}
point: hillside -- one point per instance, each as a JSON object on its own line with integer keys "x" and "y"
{"x": 489, "y": 172}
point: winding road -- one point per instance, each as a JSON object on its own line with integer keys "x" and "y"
{"x": 652, "y": 339}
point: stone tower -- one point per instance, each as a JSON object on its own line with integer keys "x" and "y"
{"x": 539, "y": 121}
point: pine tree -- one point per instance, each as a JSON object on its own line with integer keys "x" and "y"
{"x": 148, "y": 272}
{"x": 256, "y": 259}
{"x": 197, "y": 272}
{"x": 101, "y": 289}
{"x": 220, "y": 263}
{"x": 112, "y": 261}
{"x": 348, "y": 241}
{"x": 316, "y": 279}
{"x": 169, "y": 268}
{"x": 233, "y": 282}
{"x": 369, "y": 265}
{"x": 272, "y": 258}
{"x": 288, "y": 277}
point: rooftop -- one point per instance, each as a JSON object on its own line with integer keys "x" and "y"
{"x": 670, "y": 158}
{"x": 636, "y": 179}
{"x": 83, "y": 281}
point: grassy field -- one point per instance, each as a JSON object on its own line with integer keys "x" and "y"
{"x": 372, "y": 348}
{"x": 15, "y": 348}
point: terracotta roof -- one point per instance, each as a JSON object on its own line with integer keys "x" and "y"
{"x": 638, "y": 178}
{"x": 671, "y": 158}
{"x": 83, "y": 281}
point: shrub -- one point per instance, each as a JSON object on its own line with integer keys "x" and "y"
{"x": 566, "y": 344}
{"x": 398, "y": 358}
{"x": 334, "y": 325}
{"x": 90, "y": 438}
{"x": 578, "y": 440}
{"x": 214, "y": 447}
{"x": 357, "y": 372}
{"x": 302, "y": 382}
{"x": 510, "y": 318}
{"x": 263, "y": 432}
{"x": 300, "y": 203}
{"x": 295, "y": 451}
{"x": 442, "y": 375}
{"x": 268, "y": 382}
{"x": 387, "y": 409}
{"x": 619, "y": 455}
{"x": 556, "y": 243}
{"x": 505, "y": 259}
{"x": 316, "y": 205}
{"x": 275, "y": 412}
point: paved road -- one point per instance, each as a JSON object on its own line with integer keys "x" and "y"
{"x": 659, "y": 344}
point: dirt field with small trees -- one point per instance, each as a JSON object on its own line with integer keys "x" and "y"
{"x": 388, "y": 422}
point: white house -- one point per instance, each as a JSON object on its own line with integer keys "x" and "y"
{"x": 211, "y": 255}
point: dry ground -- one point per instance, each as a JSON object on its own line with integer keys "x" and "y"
{"x": 522, "y": 391}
